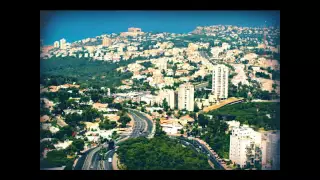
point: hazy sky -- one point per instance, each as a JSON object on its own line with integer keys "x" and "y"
{"x": 76, "y": 25}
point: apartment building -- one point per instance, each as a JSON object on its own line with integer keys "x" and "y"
{"x": 186, "y": 97}
{"x": 167, "y": 94}
{"x": 240, "y": 139}
{"x": 63, "y": 44}
{"x": 56, "y": 44}
{"x": 270, "y": 147}
{"x": 220, "y": 76}
{"x": 106, "y": 41}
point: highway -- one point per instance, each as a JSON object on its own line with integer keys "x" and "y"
{"x": 204, "y": 150}
{"x": 142, "y": 127}
{"x": 91, "y": 159}
{"x": 139, "y": 126}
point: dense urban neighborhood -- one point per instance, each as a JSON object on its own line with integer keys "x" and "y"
{"x": 208, "y": 99}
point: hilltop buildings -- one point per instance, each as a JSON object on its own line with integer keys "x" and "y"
{"x": 106, "y": 41}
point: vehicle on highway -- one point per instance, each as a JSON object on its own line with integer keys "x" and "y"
{"x": 109, "y": 160}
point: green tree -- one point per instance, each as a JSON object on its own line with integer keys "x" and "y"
{"x": 203, "y": 121}
{"x": 57, "y": 158}
{"x": 124, "y": 120}
{"x": 78, "y": 144}
{"x": 85, "y": 99}
{"x": 165, "y": 104}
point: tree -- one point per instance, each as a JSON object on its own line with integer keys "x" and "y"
{"x": 203, "y": 121}
{"x": 95, "y": 97}
{"x": 73, "y": 119}
{"x": 181, "y": 131}
{"x": 124, "y": 120}
{"x": 56, "y": 158}
{"x": 84, "y": 99}
{"x": 115, "y": 135}
{"x": 78, "y": 144}
{"x": 64, "y": 133}
{"x": 141, "y": 154}
{"x": 165, "y": 104}
{"x": 196, "y": 108}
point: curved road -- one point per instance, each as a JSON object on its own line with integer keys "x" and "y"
{"x": 142, "y": 127}
{"x": 203, "y": 149}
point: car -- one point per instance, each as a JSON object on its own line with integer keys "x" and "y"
{"x": 91, "y": 167}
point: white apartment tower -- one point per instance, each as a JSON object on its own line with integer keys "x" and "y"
{"x": 186, "y": 97}
{"x": 63, "y": 44}
{"x": 167, "y": 94}
{"x": 56, "y": 44}
{"x": 241, "y": 138}
{"x": 220, "y": 76}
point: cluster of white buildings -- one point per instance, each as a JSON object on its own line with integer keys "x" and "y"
{"x": 243, "y": 137}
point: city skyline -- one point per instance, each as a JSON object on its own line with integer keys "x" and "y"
{"x": 76, "y": 25}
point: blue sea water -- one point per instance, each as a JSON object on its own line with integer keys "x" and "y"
{"x": 76, "y": 25}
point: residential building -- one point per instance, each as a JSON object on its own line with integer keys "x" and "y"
{"x": 106, "y": 41}
{"x": 171, "y": 128}
{"x": 220, "y": 81}
{"x": 134, "y": 30}
{"x": 186, "y": 97}
{"x": 71, "y": 111}
{"x": 240, "y": 139}
{"x": 233, "y": 124}
{"x": 168, "y": 94}
{"x": 270, "y": 147}
{"x": 56, "y": 44}
{"x": 63, "y": 44}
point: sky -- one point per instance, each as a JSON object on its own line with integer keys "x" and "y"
{"x": 76, "y": 25}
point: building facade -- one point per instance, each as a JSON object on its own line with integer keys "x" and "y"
{"x": 56, "y": 44}
{"x": 186, "y": 97}
{"x": 241, "y": 138}
{"x": 220, "y": 76}
{"x": 63, "y": 44}
{"x": 271, "y": 151}
{"x": 106, "y": 41}
{"x": 167, "y": 94}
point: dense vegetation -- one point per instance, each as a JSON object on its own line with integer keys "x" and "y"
{"x": 215, "y": 135}
{"x": 262, "y": 75}
{"x": 83, "y": 71}
{"x": 160, "y": 153}
{"x": 57, "y": 158}
{"x": 255, "y": 114}
{"x": 242, "y": 90}
{"x": 107, "y": 124}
